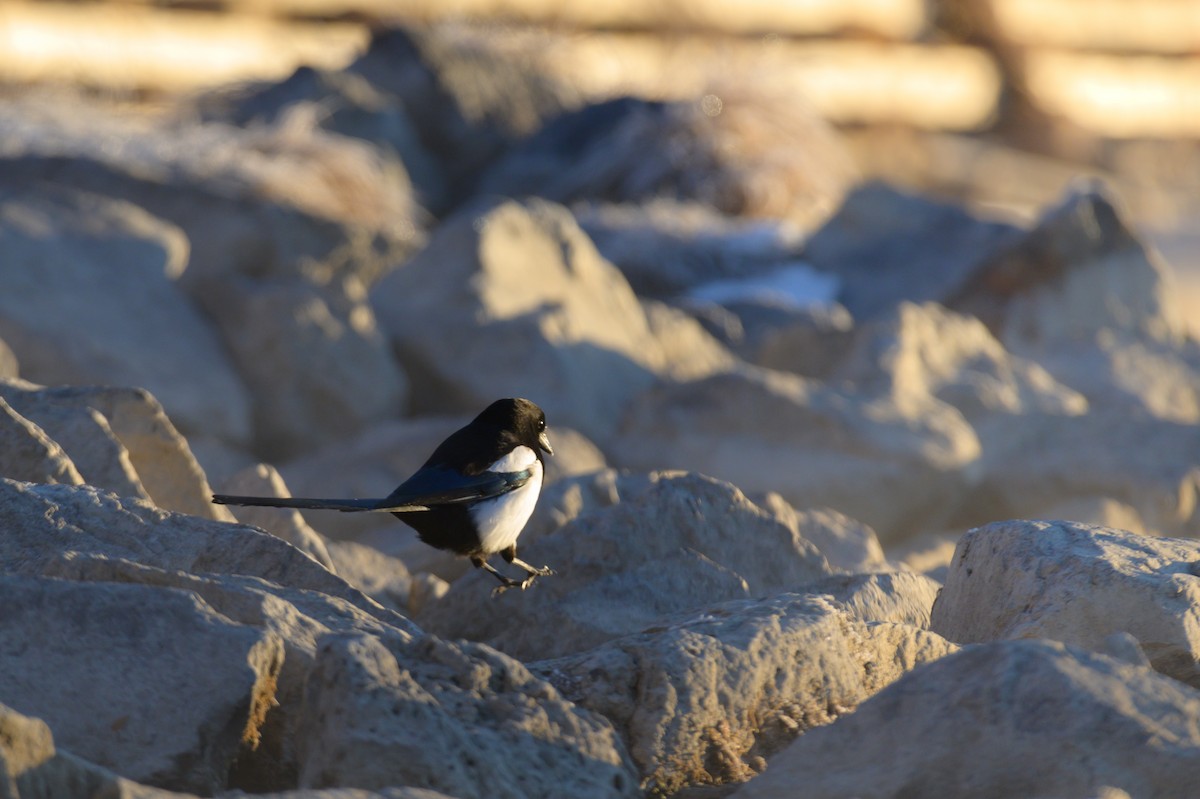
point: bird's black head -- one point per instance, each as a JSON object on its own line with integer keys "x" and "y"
{"x": 520, "y": 417}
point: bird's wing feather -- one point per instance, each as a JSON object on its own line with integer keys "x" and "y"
{"x": 433, "y": 486}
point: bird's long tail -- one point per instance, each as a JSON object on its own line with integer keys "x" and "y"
{"x": 348, "y": 505}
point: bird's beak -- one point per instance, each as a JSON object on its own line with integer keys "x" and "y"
{"x": 544, "y": 443}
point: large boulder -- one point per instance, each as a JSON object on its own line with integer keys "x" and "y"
{"x": 31, "y": 767}
{"x": 244, "y": 575}
{"x": 280, "y": 202}
{"x": 84, "y": 434}
{"x": 468, "y": 92}
{"x": 898, "y": 468}
{"x": 287, "y": 222}
{"x": 313, "y": 357}
{"x": 90, "y": 296}
{"x": 454, "y": 717}
{"x": 918, "y": 352}
{"x": 1078, "y": 584}
{"x": 742, "y": 150}
{"x": 1017, "y": 718}
{"x": 122, "y": 440}
{"x": 847, "y": 545}
{"x": 886, "y": 246}
{"x": 515, "y": 300}
{"x": 666, "y": 248}
{"x": 45, "y": 521}
{"x": 685, "y": 542}
{"x": 27, "y": 453}
{"x": 295, "y": 616}
{"x": 382, "y": 577}
{"x": 1079, "y": 270}
{"x": 1037, "y": 462}
{"x": 9, "y": 368}
{"x": 1082, "y": 295}
{"x": 168, "y": 693}
{"x": 900, "y": 597}
{"x": 345, "y": 102}
{"x": 704, "y": 697}
{"x": 263, "y": 480}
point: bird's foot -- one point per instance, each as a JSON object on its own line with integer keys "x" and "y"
{"x": 510, "y": 583}
{"x": 545, "y": 571}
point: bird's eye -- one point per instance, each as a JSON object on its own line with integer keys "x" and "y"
{"x": 541, "y": 424}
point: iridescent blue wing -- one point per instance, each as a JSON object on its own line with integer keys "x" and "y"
{"x": 433, "y": 486}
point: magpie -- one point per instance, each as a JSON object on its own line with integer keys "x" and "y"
{"x": 472, "y": 497}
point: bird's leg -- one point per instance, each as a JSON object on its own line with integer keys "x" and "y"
{"x": 505, "y": 582}
{"x": 510, "y": 555}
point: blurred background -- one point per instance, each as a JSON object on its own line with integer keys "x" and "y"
{"x": 993, "y": 101}
{"x": 938, "y": 233}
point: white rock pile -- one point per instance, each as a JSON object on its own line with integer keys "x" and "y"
{"x": 751, "y": 508}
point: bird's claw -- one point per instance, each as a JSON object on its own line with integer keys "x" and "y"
{"x": 522, "y": 584}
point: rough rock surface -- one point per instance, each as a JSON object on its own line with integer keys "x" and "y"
{"x": 27, "y": 453}
{"x": 665, "y": 248}
{"x": 897, "y": 468}
{"x": 9, "y": 368}
{"x": 48, "y": 520}
{"x": 1147, "y": 464}
{"x": 726, "y": 150}
{"x": 812, "y": 342}
{"x": 267, "y": 213}
{"x": 170, "y": 689}
{"x": 90, "y": 280}
{"x": 161, "y": 461}
{"x": 918, "y": 352}
{"x": 686, "y": 542}
{"x": 383, "y": 578}
{"x": 886, "y": 246}
{"x": 1017, "y": 718}
{"x": 248, "y": 577}
{"x": 32, "y": 768}
{"x": 1082, "y": 295}
{"x": 313, "y": 357}
{"x": 269, "y": 203}
{"x": 704, "y": 697}
{"x": 356, "y": 793}
{"x": 84, "y": 434}
{"x": 297, "y": 617}
{"x": 515, "y": 300}
{"x": 1078, "y": 584}
{"x": 467, "y": 99}
{"x": 454, "y": 717}
{"x": 845, "y": 543}
{"x": 286, "y": 523}
{"x": 898, "y": 597}
{"x": 346, "y": 103}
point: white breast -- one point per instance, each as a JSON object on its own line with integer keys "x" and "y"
{"x": 500, "y": 520}
{"x": 520, "y": 458}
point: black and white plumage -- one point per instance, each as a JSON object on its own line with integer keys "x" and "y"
{"x": 474, "y": 494}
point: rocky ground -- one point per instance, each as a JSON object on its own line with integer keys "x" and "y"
{"x": 791, "y": 412}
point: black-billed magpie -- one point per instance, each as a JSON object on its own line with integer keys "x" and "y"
{"x": 474, "y": 494}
